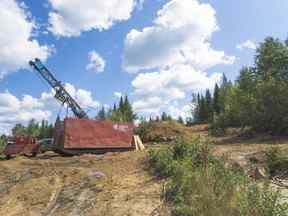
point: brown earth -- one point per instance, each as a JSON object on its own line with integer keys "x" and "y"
{"x": 115, "y": 184}
{"x": 54, "y": 185}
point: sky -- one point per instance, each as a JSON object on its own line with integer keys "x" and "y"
{"x": 158, "y": 52}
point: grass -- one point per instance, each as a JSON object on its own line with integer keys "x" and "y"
{"x": 277, "y": 161}
{"x": 199, "y": 184}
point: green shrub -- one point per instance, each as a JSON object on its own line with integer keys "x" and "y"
{"x": 276, "y": 160}
{"x": 258, "y": 200}
{"x": 199, "y": 184}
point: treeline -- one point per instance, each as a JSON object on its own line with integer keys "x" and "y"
{"x": 208, "y": 106}
{"x": 40, "y": 130}
{"x": 257, "y": 99}
{"x": 164, "y": 117}
{"x": 122, "y": 112}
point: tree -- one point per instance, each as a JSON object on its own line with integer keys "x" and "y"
{"x": 18, "y": 129}
{"x": 122, "y": 113}
{"x": 208, "y": 105}
{"x": 258, "y": 98}
{"x": 129, "y": 116}
{"x": 101, "y": 114}
{"x": 180, "y": 120}
{"x": 216, "y": 102}
{"x": 164, "y": 116}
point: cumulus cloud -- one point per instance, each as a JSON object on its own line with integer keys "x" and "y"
{"x": 15, "y": 110}
{"x": 247, "y": 45}
{"x": 17, "y": 45}
{"x": 180, "y": 34}
{"x": 156, "y": 90}
{"x": 183, "y": 111}
{"x": 172, "y": 56}
{"x": 82, "y": 96}
{"x": 70, "y": 18}
{"x": 96, "y": 62}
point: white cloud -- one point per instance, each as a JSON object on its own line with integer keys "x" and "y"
{"x": 14, "y": 110}
{"x": 117, "y": 94}
{"x": 180, "y": 35}
{"x": 183, "y": 111}
{"x": 17, "y": 45}
{"x": 248, "y": 45}
{"x": 82, "y": 96}
{"x": 171, "y": 57}
{"x": 156, "y": 90}
{"x": 96, "y": 62}
{"x": 70, "y": 18}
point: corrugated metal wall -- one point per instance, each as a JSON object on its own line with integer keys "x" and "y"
{"x": 92, "y": 134}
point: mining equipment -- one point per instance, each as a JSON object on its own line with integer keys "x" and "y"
{"x": 79, "y": 134}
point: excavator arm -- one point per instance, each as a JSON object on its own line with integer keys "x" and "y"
{"x": 61, "y": 94}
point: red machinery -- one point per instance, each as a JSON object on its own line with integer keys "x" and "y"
{"x": 22, "y": 145}
{"x": 77, "y": 136}
{"x": 82, "y": 135}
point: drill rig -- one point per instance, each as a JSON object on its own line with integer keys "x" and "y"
{"x": 61, "y": 94}
{"x": 80, "y": 134}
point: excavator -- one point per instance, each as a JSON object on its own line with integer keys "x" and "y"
{"x": 79, "y": 134}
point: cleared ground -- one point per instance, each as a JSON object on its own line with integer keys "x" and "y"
{"x": 116, "y": 184}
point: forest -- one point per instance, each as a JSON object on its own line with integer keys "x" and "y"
{"x": 256, "y": 101}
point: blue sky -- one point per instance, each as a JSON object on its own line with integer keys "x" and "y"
{"x": 136, "y": 61}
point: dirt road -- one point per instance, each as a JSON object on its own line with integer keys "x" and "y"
{"x": 116, "y": 184}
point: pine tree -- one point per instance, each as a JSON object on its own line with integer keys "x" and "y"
{"x": 101, "y": 114}
{"x": 216, "y": 105}
{"x": 180, "y": 120}
{"x": 209, "y": 105}
{"x": 128, "y": 112}
{"x": 164, "y": 117}
{"x": 114, "y": 108}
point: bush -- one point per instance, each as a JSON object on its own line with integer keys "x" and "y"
{"x": 218, "y": 126}
{"x": 199, "y": 184}
{"x": 276, "y": 160}
{"x": 161, "y": 131}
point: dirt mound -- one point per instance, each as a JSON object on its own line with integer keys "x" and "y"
{"x": 167, "y": 131}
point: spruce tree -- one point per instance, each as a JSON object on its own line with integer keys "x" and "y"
{"x": 101, "y": 114}
{"x": 209, "y": 105}
{"x": 216, "y": 105}
{"x": 180, "y": 120}
{"x": 164, "y": 117}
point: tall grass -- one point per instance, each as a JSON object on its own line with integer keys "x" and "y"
{"x": 277, "y": 161}
{"x": 199, "y": 184}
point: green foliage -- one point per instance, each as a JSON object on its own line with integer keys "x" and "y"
{"x": 2, "y": 142}
{"x": 101, "y": 114}
{"x": 43, "y": 130}
{"x": 258, "y": 98}
{"x": 199, "y": 184}
{"x": 260, "y": 201}
{"x": 277, "y": 160}
{"x": 203, "y": 108}
{"x": 122, "y": 113}
{"x": 161, "y": 131}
